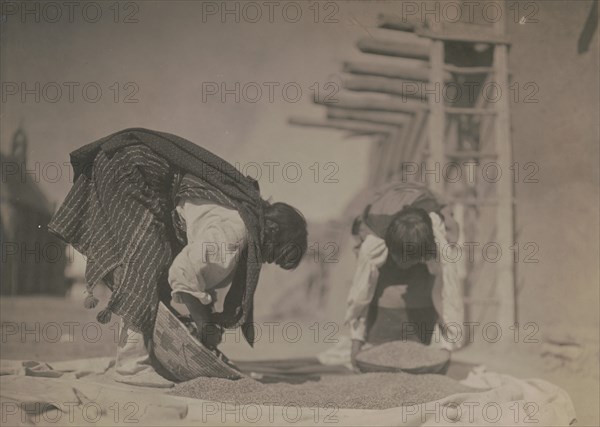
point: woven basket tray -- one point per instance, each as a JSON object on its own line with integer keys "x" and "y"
{"x": 437, "y": 368}
{"x": 183, "y": 355}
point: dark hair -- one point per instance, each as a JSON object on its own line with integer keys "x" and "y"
{"x": 289, "y": 239}
{"x": 410, "y": 235}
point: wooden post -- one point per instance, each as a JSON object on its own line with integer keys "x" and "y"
{"x": 506, "y": 267}
{"x": 505, "y": 212}
{"x": 437, "y": 119}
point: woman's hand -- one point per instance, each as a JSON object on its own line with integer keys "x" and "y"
{"x": 355, "y": 349}
{"x": 210, "y": 333}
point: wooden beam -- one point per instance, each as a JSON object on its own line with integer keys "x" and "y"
{"x": 394, "y": 22}
{"x": 505, "y": 277}
{"x": 348, "y": 125}
{"x": 437, "y": 119}
{"x": 377, "y": 102}
{"x": 392, "y": 71}
{"x": 381, "y": 117}
{"x": 402, "y": 88}
{"x": 393, "y": 48}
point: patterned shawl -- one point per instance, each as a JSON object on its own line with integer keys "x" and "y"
{"x": 119, "y": 212}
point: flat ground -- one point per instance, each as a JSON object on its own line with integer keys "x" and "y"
{"x": 52, "y": 329}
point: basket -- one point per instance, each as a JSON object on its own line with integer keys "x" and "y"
{"x": 183, "y": 355}
{"x": 433, "y": 368}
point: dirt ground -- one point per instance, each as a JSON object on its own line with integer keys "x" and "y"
{"x": 53, "y": 329}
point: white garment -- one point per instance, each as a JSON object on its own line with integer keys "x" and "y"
{"x": 371, "y": 256}
{"x": 447, "y": 297}
{"x": 216, "y": 235}
{"x": 133, "y": 365}
{"x": 446, "y": 293}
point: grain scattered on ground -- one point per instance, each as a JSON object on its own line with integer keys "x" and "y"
{"x": 365, "y": 391}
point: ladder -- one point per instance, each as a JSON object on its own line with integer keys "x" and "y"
{"x": 413, "y": 124}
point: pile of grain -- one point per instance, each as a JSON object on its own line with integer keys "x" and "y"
{"x": 366, "y": 391}
{"x": 403, "y": 355}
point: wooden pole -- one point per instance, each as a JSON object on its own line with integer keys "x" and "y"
{"x": 382, "y": 117}
{"x": 505, "y": 212}
{"x": 392, "y": 71}
{"x": 505, "y": 221}
{"x": 349, "y": 125}
{"x": 403, "y": 88}
{"x": 437, "y": 119}
{"x": 393, "y": 48}
{"x": 394, "y": 22}
{"x": 376, "y": 102}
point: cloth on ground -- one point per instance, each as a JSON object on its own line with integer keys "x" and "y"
{"x": 531, "y": 399}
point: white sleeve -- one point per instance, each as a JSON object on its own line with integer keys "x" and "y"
{"x": 447, "y": 294}
{"x": 358, "y": 329}
{"x": 372, "y": 254}
{"x": 207, "y": 262}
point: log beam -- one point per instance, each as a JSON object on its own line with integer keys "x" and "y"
{"x": 392, "y": 71}
{"x": 393, "y": 48}
{"x": 403, "y": 88}
{"x": 394, "y": 22}
{"x": 348, "y": 125}
{"x": 381, "y": 117}
{"x": 373, "y": 102}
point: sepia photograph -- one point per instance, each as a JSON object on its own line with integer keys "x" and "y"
{"x": 299, "y": 213}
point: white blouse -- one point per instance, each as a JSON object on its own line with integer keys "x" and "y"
{"x": 216, "y": 236}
